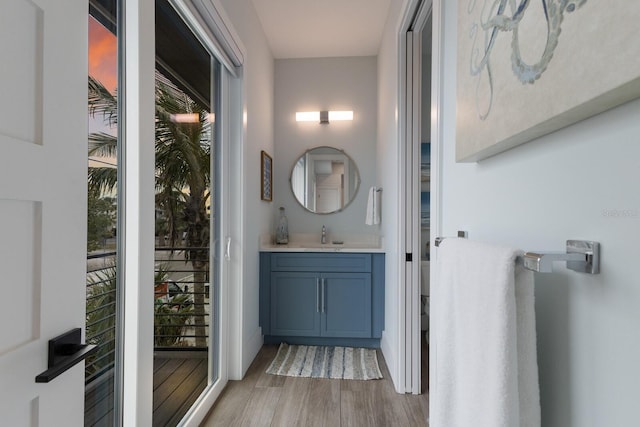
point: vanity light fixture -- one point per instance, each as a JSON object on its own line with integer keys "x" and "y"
{"x": 340, "y": 115}
{"x": 323, "y": 117}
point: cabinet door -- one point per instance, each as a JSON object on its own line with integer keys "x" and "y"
{"x": 295, "y": 304}
{"x": 346, "y": 305}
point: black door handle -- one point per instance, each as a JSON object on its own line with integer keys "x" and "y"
{"x": 64, "y": 352}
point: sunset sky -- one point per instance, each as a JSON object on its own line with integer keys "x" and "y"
{"x": 103, "y": 66}
{"x": 103, "y": 55}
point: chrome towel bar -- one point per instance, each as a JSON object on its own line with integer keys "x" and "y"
{"x": 461, "y": 234}
{"x": 582, "y": 256}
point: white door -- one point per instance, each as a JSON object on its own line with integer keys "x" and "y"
{"x": 410, "y": 346}
{"x": 43, "y": 176}
{"x": 328, "y": 198}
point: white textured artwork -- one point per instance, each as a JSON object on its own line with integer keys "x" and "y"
{"x": 529, "y": 67}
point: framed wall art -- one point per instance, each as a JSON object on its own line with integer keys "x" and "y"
{"x": 530, "y": 67}
{"x": 266, "y": 176}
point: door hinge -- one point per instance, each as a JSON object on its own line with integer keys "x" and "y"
{"x": 409, "y": 257}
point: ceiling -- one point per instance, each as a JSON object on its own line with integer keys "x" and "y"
{"x": 323, "y": 28}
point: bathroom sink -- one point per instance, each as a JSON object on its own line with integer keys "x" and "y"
{"x": 319, "y": 247}
{"x": 312, "y": 246}
{"x": 311, "y": 243}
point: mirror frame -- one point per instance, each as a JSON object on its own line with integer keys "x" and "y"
{"x": 353, "y": 164}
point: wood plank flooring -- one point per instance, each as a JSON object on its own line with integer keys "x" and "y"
{"x": 261, "y": 400}
{"x": 98, "y": 403}
{"x": 177, "y": 383}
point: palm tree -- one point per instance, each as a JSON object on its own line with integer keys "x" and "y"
{"x": 182, "y": 174}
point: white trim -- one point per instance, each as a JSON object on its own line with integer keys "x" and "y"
{"x": 409, "y": 344}
{"x": 209, "y": 20}
{"x": 400, "y": 230}
{"x": 407, "y": 202}
{"x": 236, "y": 188}
{"x": 138, "y": 211}
{"x": 413, "y": 164}
{"x": 199, "y": 411}
{"x": 437, "y": 150}
{"x": 413, "y": 174}
{"x": 201, "y": 408}
{"x": 402, "y": 384}
{"x": 252, "y": 347}
{"x": 217, "y": 32}
{"x": 386, "y": 349}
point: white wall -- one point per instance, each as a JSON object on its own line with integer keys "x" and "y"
{"x": 389, "y": 177}
{"x": 565, "y": 185}
{"x": 257, "y": 106}
{"x": 315, "y": 84}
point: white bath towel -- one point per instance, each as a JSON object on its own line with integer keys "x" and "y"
{"x": 483, "y": 320}
{"x": 373, "y": 207}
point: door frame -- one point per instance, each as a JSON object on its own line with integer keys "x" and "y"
{"x": 409, "y": 377}
{"x": 137, "y": 47}
{"x": 137, "y": 52}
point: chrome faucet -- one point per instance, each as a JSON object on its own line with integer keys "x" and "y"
{"x": 323, "y": 240}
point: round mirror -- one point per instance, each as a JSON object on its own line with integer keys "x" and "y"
{"x": 324, "y": 180}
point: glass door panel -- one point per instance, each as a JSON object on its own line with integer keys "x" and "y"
{"x": 102, "y": 286}
{"x": 187, "y": 82}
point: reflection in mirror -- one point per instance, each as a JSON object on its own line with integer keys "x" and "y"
{"x": 324, "y": 180}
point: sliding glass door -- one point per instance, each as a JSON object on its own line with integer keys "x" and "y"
{"x": 186, "y": 288}
{"x": 187, "y": 225}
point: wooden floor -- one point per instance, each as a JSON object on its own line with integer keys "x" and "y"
{"x": 268, "y": 400}
{"x": 177, "y": 383}
{"x": 98, "y": 403}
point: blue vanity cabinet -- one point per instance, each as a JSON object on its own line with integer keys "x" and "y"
{"x": 326, "y": 304}
{"x": 295, "y": 303}
{"x": 345, "y": 305}
{"x": 322, "y": 298}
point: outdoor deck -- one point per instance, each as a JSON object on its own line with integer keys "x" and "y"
{"x": 177, "y": 383}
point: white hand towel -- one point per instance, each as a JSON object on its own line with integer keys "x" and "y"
{"x": 373, "y": 207}
{"x": 486, "y": 372}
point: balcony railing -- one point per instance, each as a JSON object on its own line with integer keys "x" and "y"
{"x": 181, "y": 308}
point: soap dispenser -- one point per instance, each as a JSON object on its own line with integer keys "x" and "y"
{"x": 282, "y": 229}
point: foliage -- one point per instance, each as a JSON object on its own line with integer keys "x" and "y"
{"x": 102, "y": 180}
{"x": 182, "y": 167}
{"x": 183, "y": 156}
{"x": 171, "y": 321}
{"x": 101, "y": 217}
{"x": 172, "y": 318}
{"x": 182, "y": 162}
{"x": 101, "y": 318}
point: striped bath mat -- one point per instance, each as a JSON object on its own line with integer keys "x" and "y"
{"x": 326, "y": 362}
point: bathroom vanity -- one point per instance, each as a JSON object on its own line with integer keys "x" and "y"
{"x": 323, "y": 295}
{"x": 323, "y": 289}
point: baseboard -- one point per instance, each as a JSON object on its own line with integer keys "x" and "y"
{"x": 390, "y": 358}
{"x": 251, "y": 348}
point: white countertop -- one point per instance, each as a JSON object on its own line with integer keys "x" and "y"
{"x": 311, "y": 243}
